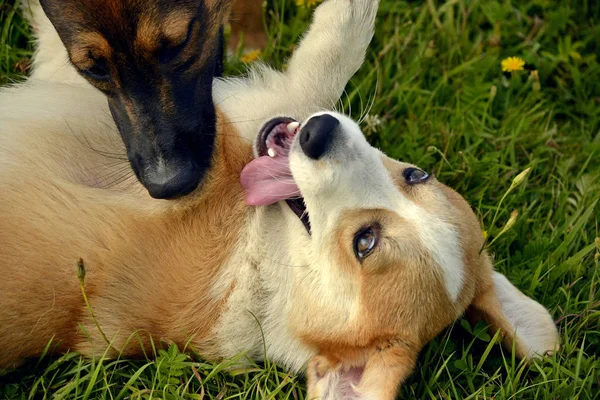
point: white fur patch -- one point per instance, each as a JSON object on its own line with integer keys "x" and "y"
{"x": 533, "y": 324}
{"x": 441, "y": 239}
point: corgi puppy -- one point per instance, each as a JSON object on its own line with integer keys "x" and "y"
{"x": 155, "y": 61}
{"x": 304, "y": 239}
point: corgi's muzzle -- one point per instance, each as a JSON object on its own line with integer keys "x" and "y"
{"x": 317, "y": 135}
{"x": 268, "y": 179}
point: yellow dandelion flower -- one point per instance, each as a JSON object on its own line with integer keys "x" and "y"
{"x": 250, "y": 56}
{"x": 484, "y": 234}
{"x": 512, "y": 64}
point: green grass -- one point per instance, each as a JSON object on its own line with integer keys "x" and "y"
{"x": 433, "y": 94}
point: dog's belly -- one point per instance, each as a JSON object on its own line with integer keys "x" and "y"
{"x": 53, "y": 212}
{"x": 150, "y": 264}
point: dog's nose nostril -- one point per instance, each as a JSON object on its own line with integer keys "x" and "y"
{"x": 171, "y": 183}
{"x": 317, "y": 135}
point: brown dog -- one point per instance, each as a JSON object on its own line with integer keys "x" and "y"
{"x": 155, "y": 61}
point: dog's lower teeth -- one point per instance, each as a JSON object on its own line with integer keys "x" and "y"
{"x": 292, "y": 126}
{"x": 271, "y": 153}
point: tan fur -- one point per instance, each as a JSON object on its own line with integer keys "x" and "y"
{"x": 148, "y": 33}
{"x": 88, "y": 45}
{"x": 390, "y": 330}
{"x": 246, "y": 21}
{"x": 175, "y": 26}
{"x": 130, "y": 283}
{"x": 165, "y": 97}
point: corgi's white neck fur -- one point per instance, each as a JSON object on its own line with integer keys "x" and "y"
{"x": 261, "y": 272}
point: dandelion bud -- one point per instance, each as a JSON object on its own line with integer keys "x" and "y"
{"x": 535, "y": 75}
{"x": 493, "y": 91}
{"x": 511, "y": 221}
{"x": 536, "y": 86}
{"x": 80, "y": 270}
{"x": 520, "y": 178}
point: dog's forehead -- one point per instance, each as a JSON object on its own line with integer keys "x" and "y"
{"x": 154, "y": 27}
{"x": 395, "y": 169}
{"x": 121, "y": 20}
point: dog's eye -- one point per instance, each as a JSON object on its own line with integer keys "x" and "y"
{"x": 414, "y": 175}
{"x": 364, "y": 243}
{"x": 98, "y": 71}
{"x": 166, "y": 55}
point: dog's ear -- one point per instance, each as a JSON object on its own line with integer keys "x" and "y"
{"x": 522, "y": 321}
{"x": 64, "y": 17}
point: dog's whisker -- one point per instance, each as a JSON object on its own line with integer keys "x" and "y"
{"x": 87, "y": 144}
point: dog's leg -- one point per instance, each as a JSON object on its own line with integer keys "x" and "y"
{"x": 50, "y": 61}
{"x": 331, "y": 52}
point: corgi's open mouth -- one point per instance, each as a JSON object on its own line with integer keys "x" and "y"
{"x": 268, "y": 179}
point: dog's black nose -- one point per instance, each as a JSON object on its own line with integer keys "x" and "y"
{"x": 317, "y": 135}
{"x": 166, "y": 182}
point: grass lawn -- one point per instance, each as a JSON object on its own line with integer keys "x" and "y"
{"x": 432, "y": 92}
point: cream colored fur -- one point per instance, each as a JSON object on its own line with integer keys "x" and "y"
{"x": 208, "y": 270}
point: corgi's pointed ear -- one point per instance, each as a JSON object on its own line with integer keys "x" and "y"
{"x": 523, "y": 321}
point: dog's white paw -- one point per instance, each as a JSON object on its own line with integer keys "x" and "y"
{"x": 344, "y": 12}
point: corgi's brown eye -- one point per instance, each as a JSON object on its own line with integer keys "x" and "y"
{"x": 415, "y": 175}
{"x": 364, "y": 243}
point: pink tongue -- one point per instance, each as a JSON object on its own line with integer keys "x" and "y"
{"x": 268, "y": 180}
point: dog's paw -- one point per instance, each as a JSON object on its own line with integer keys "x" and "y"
{"x": 347, "y": 12}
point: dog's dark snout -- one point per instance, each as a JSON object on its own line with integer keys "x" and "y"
{"x": 317, "y": 135}
{"x": 170, "y": 182}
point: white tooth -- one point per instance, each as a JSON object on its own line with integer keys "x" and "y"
{"x": 271, "y": 153}
{"x": 292, "y": 126}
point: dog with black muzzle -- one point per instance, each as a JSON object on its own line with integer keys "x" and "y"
{"x": 155, "y": 61}
{"x": 304, "y": 240}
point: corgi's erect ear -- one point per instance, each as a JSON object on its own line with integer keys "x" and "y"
{"x": 522, "y": 320}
